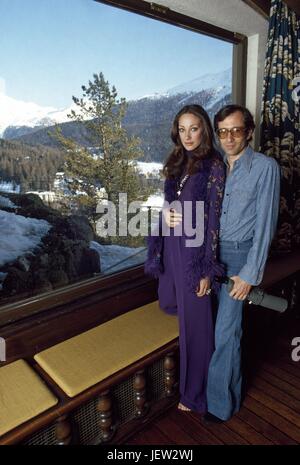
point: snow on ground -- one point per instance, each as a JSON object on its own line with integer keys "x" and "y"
{"x": 9, "y": 187}
{"x": 6, "y": 203}
{"x": 115, "y": 257}
{"x": 149, "y": 169}
{"x": 155, "y": 201}
{"x": 209, "y": 81}
{"x": 19, "y": 235}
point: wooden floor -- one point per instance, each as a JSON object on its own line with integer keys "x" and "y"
{"x": 270, "y": 413}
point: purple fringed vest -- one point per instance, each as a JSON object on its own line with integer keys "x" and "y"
{"x": 202, "y": 261}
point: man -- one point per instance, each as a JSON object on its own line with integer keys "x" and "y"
{"x": 248, "y": 222}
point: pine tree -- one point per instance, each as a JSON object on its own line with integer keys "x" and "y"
{"x": 109, "y": 160}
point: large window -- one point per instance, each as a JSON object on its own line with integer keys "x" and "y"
{"x": 67, "y": 164}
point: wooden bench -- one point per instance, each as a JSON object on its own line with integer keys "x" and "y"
{"x": 87, "y": 368}
{"x": 89, "y": 375}
{"x": 84, "y": 360}
{"x": 23, "y": 395}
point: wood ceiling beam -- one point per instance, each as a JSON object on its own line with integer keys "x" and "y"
{"x": 261, "y": 6}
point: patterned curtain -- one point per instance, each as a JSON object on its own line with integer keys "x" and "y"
{"x": 280, "y": 127}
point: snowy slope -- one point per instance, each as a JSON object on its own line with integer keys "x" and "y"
{"x": 149, "y": 168}
{"x": 19, "y": 113}
{"x": 19, "y": 235}
{"x": 207, "y": 81}
{"x": 219, "y": 83}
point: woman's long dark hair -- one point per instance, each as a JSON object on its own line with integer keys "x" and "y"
{"x": 177, "y": 159}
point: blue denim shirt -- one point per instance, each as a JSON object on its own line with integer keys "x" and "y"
{"x": 250, "y": 209}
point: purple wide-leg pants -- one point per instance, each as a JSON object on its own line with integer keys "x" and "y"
{"x": 196, "y": 339}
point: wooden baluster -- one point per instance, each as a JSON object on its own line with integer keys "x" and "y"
{"x": 63, "y": 431}
{"x": 170, "y": 370}
{"x": 139, "y": 386}
{"x": 105, "y": 408}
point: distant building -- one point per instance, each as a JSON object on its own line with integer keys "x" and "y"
{"x": 46, "y": 196}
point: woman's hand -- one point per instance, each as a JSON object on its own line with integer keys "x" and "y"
{"x": 172, "y": 218}
{"x": 204, "y": 287}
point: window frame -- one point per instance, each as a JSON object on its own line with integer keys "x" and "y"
{"x": 35, "y": 306}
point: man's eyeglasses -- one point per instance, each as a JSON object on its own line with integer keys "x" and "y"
{"x": 235, "y": 132}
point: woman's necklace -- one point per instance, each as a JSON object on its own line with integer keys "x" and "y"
{"x": 182, "y": 183}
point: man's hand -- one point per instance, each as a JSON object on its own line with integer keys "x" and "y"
{"x": 204, "y": 287}
{"x": 172, "y": 218}
{"x": 240, "y": 289}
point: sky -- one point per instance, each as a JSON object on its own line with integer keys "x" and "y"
{"x": 50, "y": 48}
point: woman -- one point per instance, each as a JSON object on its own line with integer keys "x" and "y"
{"x": 195, "y": 176}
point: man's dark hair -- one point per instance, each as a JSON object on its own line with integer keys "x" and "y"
{"x": 228, "y": 110}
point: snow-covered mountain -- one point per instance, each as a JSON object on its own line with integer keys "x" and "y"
{"x": 19, "y": 113}
{"x": 205, "y": 82}
{"x": 218, "y": 83}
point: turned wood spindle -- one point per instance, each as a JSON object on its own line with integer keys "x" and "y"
{"x": 63, "y": 431}
{"x": 139, "y": 386}
{"x": 105, "y": 408}
{"x": 169, "y": 372}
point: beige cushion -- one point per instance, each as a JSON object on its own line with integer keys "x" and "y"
{"x": 84, "y": 360}
{"x": 23, "y": 395}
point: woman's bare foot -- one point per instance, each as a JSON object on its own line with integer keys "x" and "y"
{"x": 183, "y": 407}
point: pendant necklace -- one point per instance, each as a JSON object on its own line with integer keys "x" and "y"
{"x": 182, "y": 183}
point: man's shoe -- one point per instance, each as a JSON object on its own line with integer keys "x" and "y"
{"x": 209, "y": 418}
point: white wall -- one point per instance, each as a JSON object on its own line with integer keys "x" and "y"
{"x": 255, "y": 73}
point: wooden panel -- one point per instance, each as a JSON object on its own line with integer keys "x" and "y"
{"x": 224, "y": 432}
{"x": 67, "y": 295}
{"x": 281, "y": 384}
{"x": 194, "y": 428}
{"x": 270, "y": 414}
{"x": 250, "y": 416}
{"x": 167, "y": 424}
{"x": 152, "y": 436}
{"x": 282, "y": 374}
{"x": 248, "y": 431}
{"x": 31, "y": 335}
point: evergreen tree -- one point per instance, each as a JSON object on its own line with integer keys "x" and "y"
{"x": 29, "y": 166}
{"x": 109, "y": 161}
